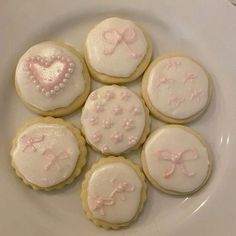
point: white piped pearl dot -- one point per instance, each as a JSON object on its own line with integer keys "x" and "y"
{"x": 56, "y": 88}
{"x": 65, "y": 80}
{"x": 61, "y": 85}
{"x": 67, "y": 75}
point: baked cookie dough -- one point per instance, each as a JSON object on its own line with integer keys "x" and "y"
{"x": 117, "y": 51}
{"x": 52, "y": 79}
{"x": 48, "y": 153}
{"x": 113, "y": 192}
{"x": 114, "y": 120}
{"x": 176, "y": 89}
{"x": 176, "y": 160}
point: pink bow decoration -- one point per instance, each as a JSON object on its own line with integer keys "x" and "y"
{"x": 31, "y": 141}
{"x": 100, "y": 202}
{"x": 177, "y": 158}
{"x": 114, "y": 37}
{"x": 121, "y": 188}
{"x": 53, "y": 158}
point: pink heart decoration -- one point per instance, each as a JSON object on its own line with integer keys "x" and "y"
{"x": 49, "y": 74}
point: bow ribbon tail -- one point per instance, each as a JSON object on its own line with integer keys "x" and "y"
{"x": 169, "y": 172}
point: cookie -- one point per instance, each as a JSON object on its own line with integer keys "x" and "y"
{"x": 113, "y": 192}
{"x": 114, "y": 120}
{"x": 52, "y": 79}
{"x": 117, "y": 51}
{"x": 176, "y": 160}
{"x": 176, "y": 89}
{"x": 48, "y": 153}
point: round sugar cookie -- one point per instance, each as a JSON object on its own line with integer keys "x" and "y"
{"x": 176, "y": 89}
{"x": 117, "y": 51}
{"x": 48, "y": 153}
{"x": 51, "y": 79}
{"x": 176, "y": 160}
{"x": 113, "y": 192}
{"x": 114, "y": 120}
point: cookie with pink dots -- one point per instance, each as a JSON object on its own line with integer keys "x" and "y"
{"x": 176, "y": 160}
{"x": 48, "y": 153}
{"x": 176, "y": 89}
{"x": 52, "y": 79}
{"x": 117, "y": 51}
{"x": 114, "y": 120}
{"x": 113, "y": 192}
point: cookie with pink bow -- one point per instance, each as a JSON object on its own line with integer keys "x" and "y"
{"x": 117, "y": 51}
{"x": 48, "y": 153}
{"x": 176, "y": 88}
{"x": 113, "y": 192}
{"x": 52, "y": 79}
{"x": 176, "y": 160}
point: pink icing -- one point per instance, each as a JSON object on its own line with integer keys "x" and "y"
{"x": 117, "y": 110}
{"x": 99, "y": 107}
{"x": 54, "y": 158}
{"x": 190, "y": 77}
{"x": 135, "y": 110}
{"x": 93, "y": 120}
{"x": 125, "y": 95}
{"x": 196, "y": 95}
{"x": 109, "y": 95}
{"x": 128, "y": 124}
{"x": 107, "y": 124}
{"x": 93, "y": 96}
{"x": 115, "y": 38}
{"x": 117, "y": 137}
{"x": 164, "y": 80}
{"x": 96, "y": 137}
{"x": 120, "y": 188}
{"x": 51, "y": 84}
{"x": 100, "y": 202}
{"x": 177, "y": 158}
{"x": 31, "y": 141}
{"x": 105, "y": 148}
{"x": 132, "y": 140}
{"x": 175, "y": 100}
{"x": 173, "y": 64}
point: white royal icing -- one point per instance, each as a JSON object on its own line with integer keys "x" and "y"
{"x": 176, "y": 159}
{"x": 178, "y": 87}
{"x": 46, "y": 154}
{"x": 113, "y": 119}
{"x": 114, "y": 192}
{"x": 49, "y": 76}
{"x": 116, "y": 47}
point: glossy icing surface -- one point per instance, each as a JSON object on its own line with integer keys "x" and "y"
{"x": 118, "y": 42}
{"x": 49, "y": 76}
{"x": 176, "y": 159}
{"x": 46, "y": 154}
{"x": 113, "y": 119}
{"x": 114, "y": 192}
{"x": 178, "y": 87}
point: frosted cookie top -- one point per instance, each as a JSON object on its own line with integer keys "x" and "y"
{"x": 117, "y": 42}
{"x": 178, "y": 87}
{"x": 114, "y": 193}
{"x": 46, "y": 154}
{"x": 49, "y": 76}
{"x": 113, "y": 119}
{"x": 176, "y": 159}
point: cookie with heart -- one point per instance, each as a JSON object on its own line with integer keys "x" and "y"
{"x": 176, "y": 88}
{"x": 117, "y": 51}
{"x": 52, "y": 79}
{"x": 48, "y": 153}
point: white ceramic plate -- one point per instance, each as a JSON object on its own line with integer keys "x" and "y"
{"x": 205, "y": 30}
